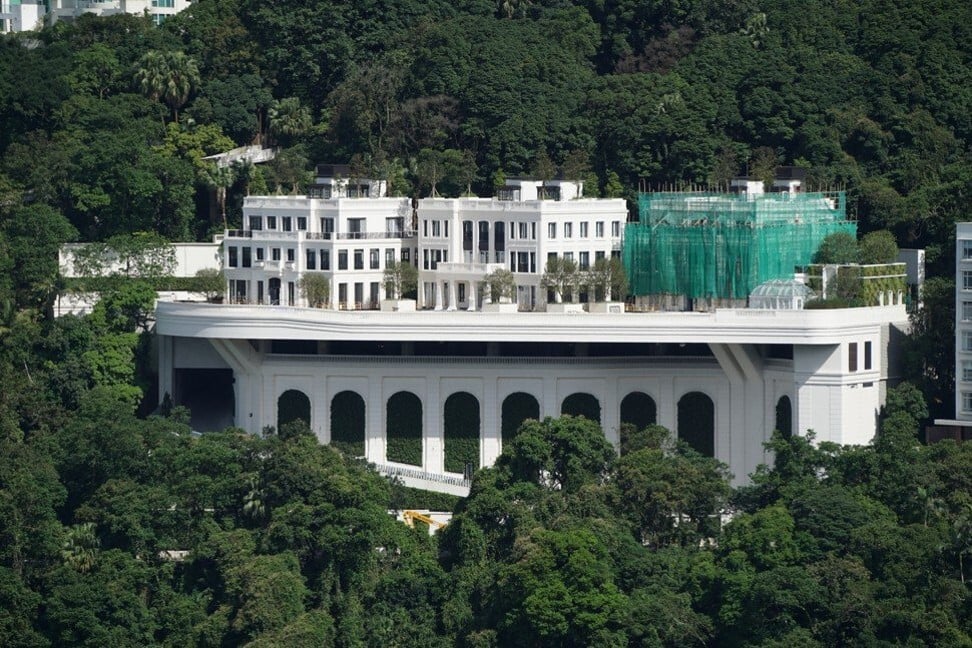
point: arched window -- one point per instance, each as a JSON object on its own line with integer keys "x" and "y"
{"x": 696, "y": 422}
{"x": 461, "y": 432}
{"x": 581, "y": 404}
{"x": 348, "y": 422}
{"x": 403, "y": 429}
{"x": 517, "y": 407}
{"x": 784, "y": 416}
{"x": 638, "y": 409}
{"x": 291, "y": 406}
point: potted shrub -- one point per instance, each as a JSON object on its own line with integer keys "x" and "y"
{"x": 561, "y": 277}
{"x": 609, "y": 285}
{"x": 401, "y": 280}
{"x": 500, "y": 288}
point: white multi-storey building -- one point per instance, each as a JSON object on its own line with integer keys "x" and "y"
{"x": 961, "y": 426}
{"x": 19, "y": 16}
{"x": 349, "y": 240}
{"x": 461, "y": 240}
{"x": 351, "y": 233}
{"x": 158, "y": 10}
{"x": 721, "y": 380}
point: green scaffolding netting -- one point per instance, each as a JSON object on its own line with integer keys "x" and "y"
{"x": 707, "y": 245}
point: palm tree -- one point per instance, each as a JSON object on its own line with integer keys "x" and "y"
{"x": 183, "y": 76}
{"x": 79, "y": 548}
{"x": 289, "y": 118}
{"x": 220, "y": 179}
{"x": 167, "y": 76}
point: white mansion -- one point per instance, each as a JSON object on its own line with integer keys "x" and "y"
{"x": 351, "y": 233}
{"x": 429, "y": 394}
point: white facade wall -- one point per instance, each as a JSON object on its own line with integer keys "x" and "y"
{"x": 835, "y": 397}
{"x": 348, "y": 240}
{"x": 190, "y": 258}
{"x": 963, "y": 322}
{"x": 531, "y": 230}
{"x": 19, "y": 17}
{"x": 158, "y": 10}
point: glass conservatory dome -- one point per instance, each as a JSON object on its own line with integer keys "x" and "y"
{"x": 780, "y": 294}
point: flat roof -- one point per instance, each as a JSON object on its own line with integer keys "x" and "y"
{"x": 724, "y": 326}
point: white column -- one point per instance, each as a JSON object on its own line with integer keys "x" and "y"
{"x": 433, "y": 459}
{"x": 374, "y": 424}
{"x": 166, "y": 358}
{"x": 453, "y": 295}
{"x": 473, "y": 295}
{"x": 489, "y": 434}
{"x": 437, "y": 289}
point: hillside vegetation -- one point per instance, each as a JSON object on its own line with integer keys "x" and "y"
{"x": 120, "y": 529}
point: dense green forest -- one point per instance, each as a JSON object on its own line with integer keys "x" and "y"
{"x": 104, "y": 125}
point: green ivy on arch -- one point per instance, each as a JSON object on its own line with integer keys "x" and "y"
{"x": 461, "y": 432}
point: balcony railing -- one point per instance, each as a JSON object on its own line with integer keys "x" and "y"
{"x": 267, "y": 235}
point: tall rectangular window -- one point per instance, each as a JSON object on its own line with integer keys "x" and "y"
{"x": 275, "y": 254}
{"x": 256, "y": 222}
{"x": 389, "y": 256}
{"x": 966, "y": 249}
{"x": 342, "y": 259}
{"x": 436, "y": 228}
{"x": 327, "y": 226}
{"x": 585, "y": 260}
{"x": 287, "y": 223}
{"x": 583, "y": 229}
{"x": 359, "y": 259}
{"x": 966, "y": 311}
{"x": 233, "y": 260}
{"x": 260, "y": 254}
{"x": 271, "y": 222}
{"x": 551, "y": 230}
{"x": 599, "y": 229}
{"x": 967, "y": 280}
{"x": 311, "y": 259}
{"x": 407, "y": 255}
{"x": 291, "y": 255}
{"x": 616, "y": 229}
{"x": 852, "y": 357}
{"x": 967, "y": 401}
{"x": 523, "y": 230}
{"x": 568, "y": 230}
{"x": 325, "y": 259}
{"x": 967, "y": 371}
{"x": 247, "y": 257}
{"x": 302, "y": 223}
{"x": 599, "y": 255}
{"x": 867, "y": 356}
{"x": 374, "y": 259}
{"x": 967, "y": 340}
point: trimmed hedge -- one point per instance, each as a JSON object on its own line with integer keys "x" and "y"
{"x": 639, "y": 409}
{"x": 696, "y": 422}
{"x": 291, "y": 406}
{"x": 105, "y": 284}
{"x": 461, "y": 432}
{"x": 348, "y": 423}
{"x": 581, "y": 404}
{"x": 517, "y": 408}
{"x": 404, "y": 497}
{"x": 403, "y": 429}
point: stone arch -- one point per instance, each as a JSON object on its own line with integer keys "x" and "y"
{"x": 696, "y": 422}
{"x": 784, "y": 416}
{"x": 348, "y": 422}
{"x": 403, "y": 428}
{"x": 582, "y": 404}
{"x": 517, "y": 407}
{"x": 639, "y": 409}
{"x": 292, "y": 405}
{"x": 461, "y": 426}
